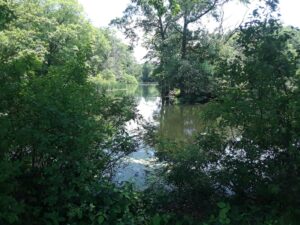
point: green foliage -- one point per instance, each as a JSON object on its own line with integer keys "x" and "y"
{"x": 147, "y": 71}
{"x": 9, "y": 206}
{"x": 61, "y": 136}
{"x": 181, "y": 55}
{"x": 120, "y": 59}
{"x": 6, "y": 14}
{"x": 56, "y": 128}
{"x": 111, "y": 61}
{"x": 106, "y": 79}
{"x": 107, "y": 205}
{"x": 128, "y": 79}
{"x": 248, "y": 155}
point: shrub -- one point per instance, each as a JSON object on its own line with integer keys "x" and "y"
{"x": 128, "y": 79}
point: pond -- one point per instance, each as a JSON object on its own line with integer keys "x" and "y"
{"x": 176, "y": 122}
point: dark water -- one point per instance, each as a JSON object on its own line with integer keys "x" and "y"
{"x": 176, "y": 122}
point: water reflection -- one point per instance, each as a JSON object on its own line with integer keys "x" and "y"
{"x": 179, "y": 122}
{"x": 174, "y": 122}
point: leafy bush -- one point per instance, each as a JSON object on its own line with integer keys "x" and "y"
{"x": 56, "y": 129}
{"x": 249, "y": 157}
{"x": 107, "y": 79}
{"x": 128, "y": 79}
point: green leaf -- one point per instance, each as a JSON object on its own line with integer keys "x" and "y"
{"x": 221, "y": 205}
{"x": 156, "y": 220}
{"x": 100, "y": 219}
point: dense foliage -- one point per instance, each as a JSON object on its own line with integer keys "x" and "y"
{"x": 248, "y": 156}
{"x": 112, "y": 61}
{"x": 61, "y": 134}
{"x": 56, "y": 129}
{"x": 179, "y": 45}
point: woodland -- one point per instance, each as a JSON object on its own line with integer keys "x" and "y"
{"x": 62, "y": 132}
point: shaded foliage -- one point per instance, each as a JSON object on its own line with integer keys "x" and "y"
{"x": 249, "y": 154}
{"x": 59, "y": 135}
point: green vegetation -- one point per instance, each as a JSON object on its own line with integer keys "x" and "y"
{"x": 55, "y": 127}
{"x": 61, "y": 134}
{"x": 112, "y": 62}
{"x": 183, "y": 57}
{"x": 245, "y": 163}
{"x": 147, "y": 73}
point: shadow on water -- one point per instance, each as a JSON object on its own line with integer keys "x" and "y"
{"x": 175, "y": 122}
{"x": 179, "y": 122}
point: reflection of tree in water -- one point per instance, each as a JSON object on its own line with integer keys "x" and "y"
{"x": 150, "y": 91}
{"x": 180, "y": 122}
{"x": 121, "y": 90}
{"x": 175, "y": 122}
{"x": 145, "y": 91}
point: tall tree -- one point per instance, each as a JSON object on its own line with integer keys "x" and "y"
{"x": 55, "y": 128}
{"x": 167, "y": 33}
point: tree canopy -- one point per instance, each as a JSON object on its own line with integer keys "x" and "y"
{"x": 62, "y": 132}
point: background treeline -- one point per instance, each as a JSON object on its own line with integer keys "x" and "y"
{"x": 182, "y": 44}
{"x": 58, "y": 29}
{"x": 112, "y": 61}
{"x": 180, "y": 47}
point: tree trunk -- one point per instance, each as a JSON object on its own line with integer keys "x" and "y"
{"x": 184, "y": 39}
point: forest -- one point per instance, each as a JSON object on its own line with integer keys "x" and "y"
{"x": 64, "y": 117}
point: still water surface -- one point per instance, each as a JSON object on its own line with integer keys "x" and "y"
{"x": 176, "y": 122}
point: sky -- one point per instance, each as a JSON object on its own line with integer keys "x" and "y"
{"x": 101, "y": 12}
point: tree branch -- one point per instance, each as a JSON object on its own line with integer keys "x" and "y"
{"x": 203, "y": 13}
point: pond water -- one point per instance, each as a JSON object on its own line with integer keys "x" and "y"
{"x": 176, "y": 122}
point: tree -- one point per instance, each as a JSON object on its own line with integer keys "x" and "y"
{"x": 147, "y": 72}
{"x": 248, "y": 155}
{"x": 56, "y": 128}
{"x": 155, "y": 19}
{"x": 171, "y": 42}
{"x": 6, "y": 15}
